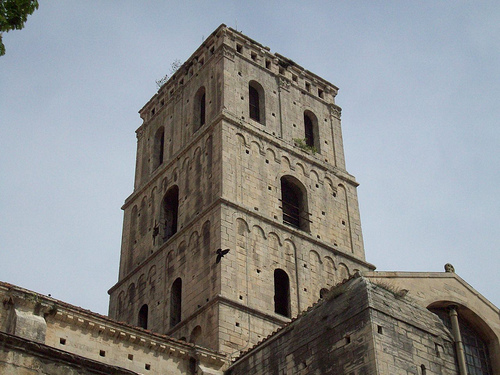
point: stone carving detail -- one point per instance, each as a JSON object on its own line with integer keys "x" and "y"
{"x": 448, "y": 267}
{"x": 284, "y": 83}
{"x": 335, "y": 111}
{"x": 227, "y": 52}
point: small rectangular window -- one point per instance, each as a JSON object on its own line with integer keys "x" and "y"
{"x": 239, "y": 48}
{"x": 153, "y": 111}
{"x": 62, "y": 341}
{"x": 268, "y": 64}
{"x": 308, "y": 87}
{"x": 320, "y": 93}
{"x": 212, "y": 49}
{"x": 131, "y": 357}
{"x": 147, "y": 366}
{"x": 282, "y": 70}
{"x": 253, "y": 55}
{"x": 102, "y": 353}
{"x": 294, "y": 78}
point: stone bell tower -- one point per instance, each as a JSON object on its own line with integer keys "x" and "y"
{"x": 242, "y": 212}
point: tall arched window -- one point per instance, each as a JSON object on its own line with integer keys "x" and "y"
{"x": 142, "y": 320}
{"x": 256, "y": 103}
{"x": 294, "y": 203}
{"x": 281, "y": 293}
{"x": 475, "y": 342}
{"x": 199, "y": 108}
{"x": 159, "y": 145}
{"x": 169, "y": 212}
{"x": 175, "y": 302}
{"x": 311, "y": 130}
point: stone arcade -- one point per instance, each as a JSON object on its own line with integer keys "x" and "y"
{"x": 242, "y": 217}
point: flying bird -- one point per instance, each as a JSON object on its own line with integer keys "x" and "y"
{"x": 220, "y": 254}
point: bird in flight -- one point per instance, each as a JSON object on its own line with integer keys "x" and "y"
{"x": 220, "y": 254}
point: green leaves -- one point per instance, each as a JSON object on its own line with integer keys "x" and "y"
{"x": 13, "y": 15}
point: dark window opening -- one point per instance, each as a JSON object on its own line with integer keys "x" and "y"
{"x": 254, "y": 104}
{"x": 311, "y": 132}
{"x": 175, "y": 302}
{"x": 170, "y": 208}
{"x": 142, "y": 321}
{"x": 159, "y": 145}
{"x": 294, "y": 203}
{"x": 200, "y": 108}
{"x": 308, "y": 129}
{"x": 281, "y": 293}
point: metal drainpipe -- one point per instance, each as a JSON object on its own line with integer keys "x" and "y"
{"x": 462, "y": 367}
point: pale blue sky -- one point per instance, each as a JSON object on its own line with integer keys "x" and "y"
{"x": 419, "y": 88}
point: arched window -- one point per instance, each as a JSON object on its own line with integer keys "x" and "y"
{"x": 169, "y": 212}
{"x": 159, "y": 145}
{"x": 256, "y": 103}
{"x": 311, "y": 130}
{"x": 199, "y": 108}
{"x": 294, "y": 203}
{"x": 175, "y": 302}
{"x": 475, "y": 344}
{"x": 281, "y": 293}
{"x": 142, "y": 320}
{"x": 195, "y": 334}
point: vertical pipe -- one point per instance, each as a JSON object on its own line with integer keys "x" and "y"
{"x": 458, "y": 340}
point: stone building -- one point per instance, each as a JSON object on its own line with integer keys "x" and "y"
{"x": 243, "y": 216}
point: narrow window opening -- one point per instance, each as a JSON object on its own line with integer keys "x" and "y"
{"x": 268, "y": 64}
{"x": 200, "y": 108}
{"x": 294, "y": 79}
{"x": 62, "y": 341}
{"x": 294, "y": 203}
{"x": 253, "y": 55}
{"x": 348, "y": 339}
{"x": 308, "y": 129}
{"x": 170, "y": 209}
{"x": 281, "y": 293}
{"x": 158, "y": 148}
{"x": 320, "y": 93}
{"x": 147, "y": 366}
{"x": 131, "y": 357}
{"x": 254, "y": 104}
{"x": 175, "y": 302}
{"x": 308, "y": 87}
{"x": 153, "y": 111}
{"x": 379, "y": 329}
{"x": 423, "y": 370}
{"x": 142, "y": 320}
{"x": 239, "y": 48}
{"x": 102, "y": 353}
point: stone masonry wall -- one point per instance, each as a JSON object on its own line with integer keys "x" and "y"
{"x": 360, "y": 328}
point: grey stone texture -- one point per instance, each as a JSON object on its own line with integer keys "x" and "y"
{"x": 359, "y": 328}
{"x": 228, "y": 173}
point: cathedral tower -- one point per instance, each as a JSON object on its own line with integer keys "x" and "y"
{"x": 242, "y": 212}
